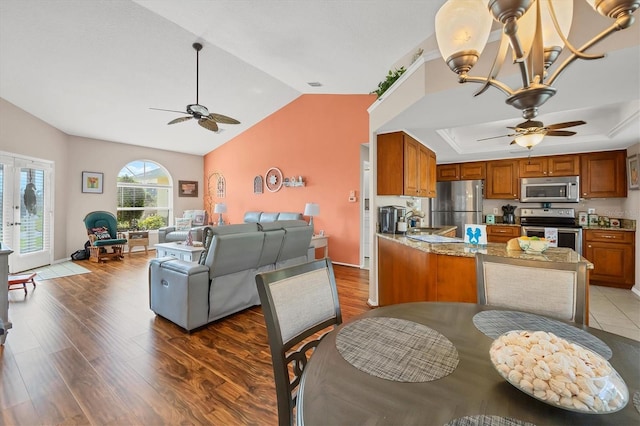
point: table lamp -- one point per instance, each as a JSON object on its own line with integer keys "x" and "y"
{"x": 311, "y": 210}
{"x": 220, "y": 208}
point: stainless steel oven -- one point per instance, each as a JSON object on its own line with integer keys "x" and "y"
{"x": 535, "y": 222}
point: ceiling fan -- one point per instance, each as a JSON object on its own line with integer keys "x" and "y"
{"x": 200, "y": 112}
{"x": 530, "y": 133}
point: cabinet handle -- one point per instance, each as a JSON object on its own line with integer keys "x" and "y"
{"x": 584, "y": 194}
{"x": 608, "y": 236}
{"x": 589, "y": 245}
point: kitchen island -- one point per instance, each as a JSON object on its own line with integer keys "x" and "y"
{"x": 414, "y": 271}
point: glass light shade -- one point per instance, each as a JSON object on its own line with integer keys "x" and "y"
{"x": 564, "y": 15}
{"x": 530, "y": 140}
{"x": 311, "y": 209}
{"x": 220, "y": 208}
{"x": 462, "y": 25}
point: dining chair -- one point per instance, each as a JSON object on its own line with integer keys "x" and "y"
{"x": 300, "y": 305}
{"x": 555, "y": 289}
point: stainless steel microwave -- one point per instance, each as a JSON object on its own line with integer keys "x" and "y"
{"x": 547, "y": 189}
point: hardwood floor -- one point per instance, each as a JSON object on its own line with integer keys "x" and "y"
{"x": 86, "y": 349}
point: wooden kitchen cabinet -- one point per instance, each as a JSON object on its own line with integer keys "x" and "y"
{"x": 474, "y": 170}
{"x": 502, "y": 181}
{"x": 502, "y": 233}
{"x": 462, "y": 171}
{"x": 405, "y": 166}
{"x": 556, "y": 165}
{"x": 613, "y": 256}
{"x": 448, "y": 172}
{"x": 603, "y": 174}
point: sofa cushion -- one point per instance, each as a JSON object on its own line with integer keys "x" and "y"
{"x": 269, "y": 217}
{"x": 252, "y": 217}
{"x": 235, "y": 229}
{"x": 290, "y": 216}
{"x": 234, "y": 252}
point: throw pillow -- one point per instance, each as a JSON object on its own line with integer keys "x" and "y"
{"x": 198, "y": 217}
{"x": 183, "y": 224}
{"x": 101, "y": 233}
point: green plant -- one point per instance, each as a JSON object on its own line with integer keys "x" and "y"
{"x": 152, "y": 222}
{"x": 391, "y": 78}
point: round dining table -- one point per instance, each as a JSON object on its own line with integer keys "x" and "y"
{"x": 460, "y": 386}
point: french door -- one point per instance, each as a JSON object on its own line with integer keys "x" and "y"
{"x": 27, "y": 212}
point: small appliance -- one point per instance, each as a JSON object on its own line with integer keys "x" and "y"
{"x": 389, "y": 217}
{"x": 564, "y": 189}
{"x": 509, "y": 214}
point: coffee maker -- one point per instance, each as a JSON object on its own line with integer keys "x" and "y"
{"x": 388, "y": 218}
{"x": 509, "y": 214}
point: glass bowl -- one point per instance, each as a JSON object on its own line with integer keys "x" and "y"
{"x": 558, "y": 372}
{"x": 533, "y": 246}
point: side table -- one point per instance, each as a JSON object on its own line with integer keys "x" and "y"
{"x": 138, "y": 239}
{"x": 319, "y": 241}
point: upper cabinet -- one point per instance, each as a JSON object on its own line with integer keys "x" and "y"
{"x": 557, "y": 165}
{"x": 502, "y": 180}
{"x": 462, "y": 171}
{"x": 405, "y": 166}
{"x": 603, "y": 174}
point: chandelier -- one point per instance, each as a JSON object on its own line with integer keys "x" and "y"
{"x": 536, "y": 31}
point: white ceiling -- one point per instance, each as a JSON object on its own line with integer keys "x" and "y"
{"x": 94, "y": 68}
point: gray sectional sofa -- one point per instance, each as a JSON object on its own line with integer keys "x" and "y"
{"x": 193, "y": 294}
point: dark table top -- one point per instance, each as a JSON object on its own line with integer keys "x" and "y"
{"x": 334, "y": 392}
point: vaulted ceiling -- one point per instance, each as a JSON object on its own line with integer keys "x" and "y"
{"x": 95, "y": 68}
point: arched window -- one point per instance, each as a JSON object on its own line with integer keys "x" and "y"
{"x": 144, "y": 196}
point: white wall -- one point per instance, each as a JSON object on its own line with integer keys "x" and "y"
{"x": 23, "y": 134}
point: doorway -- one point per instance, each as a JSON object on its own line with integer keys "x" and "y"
{"x": 26, "y": 215}
{"x": 365, "y": 217}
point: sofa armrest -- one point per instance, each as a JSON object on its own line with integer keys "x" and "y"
{"x": 162, "y": 233}
{"x": 180, "y": 266}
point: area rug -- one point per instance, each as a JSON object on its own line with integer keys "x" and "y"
{"x": 62, "y": 269}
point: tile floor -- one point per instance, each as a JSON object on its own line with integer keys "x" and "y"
{"x": 615, "y": 310}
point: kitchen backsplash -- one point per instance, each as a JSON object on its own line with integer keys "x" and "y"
{"x": 609, "y": 207}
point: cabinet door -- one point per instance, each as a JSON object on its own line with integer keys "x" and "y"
{"x": 411, "y": 166}
{"x": 423, "y": 171}
{"x": 448, "y": 172}
{"x": 390, "y": 161}
{"x": 473, "y": 171}
{"x": 564, "y": 165}
{"x": 502, "y": 233}
{"x": 502, "y": 180}
{"x": 431, "y": 179}
{"x": 533, "y": 167}
{"x": 603, "y": 174}
{"x": 612, "y": 254}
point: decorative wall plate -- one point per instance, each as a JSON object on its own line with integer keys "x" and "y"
{"x": 273, "y": 179}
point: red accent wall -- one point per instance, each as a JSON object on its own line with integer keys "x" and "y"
{"x": 317, "y": 137}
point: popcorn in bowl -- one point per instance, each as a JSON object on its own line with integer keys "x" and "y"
{"x": 533, "y": 245}
{"x": 558, "y": 372}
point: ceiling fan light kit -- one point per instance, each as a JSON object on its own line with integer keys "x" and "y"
{"x": 536, "y": 31}
{"x": 201, "y": 113}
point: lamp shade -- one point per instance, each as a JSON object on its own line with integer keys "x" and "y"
{"x": 220, "y": 208}
{"x": 462, "y": 26}
{"x": 311, "y": 209}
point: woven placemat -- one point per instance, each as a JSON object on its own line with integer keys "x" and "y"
{"x": 396, "y": 349}
{"x": 482, "y": 420}
{"x": 496, "y": 323}
{"x": 636, "y": 400}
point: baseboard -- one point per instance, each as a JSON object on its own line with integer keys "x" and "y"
{"x": 346, "y": 264}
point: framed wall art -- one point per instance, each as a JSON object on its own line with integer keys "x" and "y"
{"x": 187, "y": 188}
{"x": 632, "y": 172}
{"x": 92, "y": 182}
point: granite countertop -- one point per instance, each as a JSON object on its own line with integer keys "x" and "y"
{"x": 607, "y": 228}
{"x": 552, "y": 254}
{"x": 502, "y": 224}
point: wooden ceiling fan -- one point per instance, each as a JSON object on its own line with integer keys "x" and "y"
{"x": 531, "y": 132}
{"x": 200, "y": 112}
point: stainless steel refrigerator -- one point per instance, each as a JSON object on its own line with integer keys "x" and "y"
{"x": 457, "y": 203}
